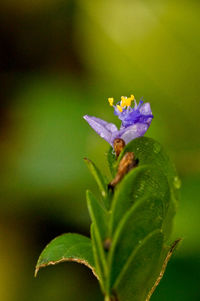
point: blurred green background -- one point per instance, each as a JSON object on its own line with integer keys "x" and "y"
{"x": 60, "y": 60}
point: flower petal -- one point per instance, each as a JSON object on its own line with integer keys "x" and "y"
{"x": 103, "y": 128}
{"x": 131, "y": 132}
{"x": 146, "y": 110}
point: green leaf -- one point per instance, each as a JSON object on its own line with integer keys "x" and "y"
{"x": 141, "y": 271}
{"x": 99, "y": 256}
{"x": 168, "y": 222}
{"x": 165, "y": 257}
{"x": 149, "y": 151}
{"x": 141, "y": 182}
{"x": 100, "y": 179}
{"x": 99, "y": 231}
{"x": 144, "y": 217}
{"x": 98, "y": 215}
{"x": 67, "y": 247}
{"x": 143, "y": 206}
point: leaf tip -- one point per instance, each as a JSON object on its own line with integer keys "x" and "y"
{"x": 167, "y": 258}
{"x": 36, "y": 270}
{"x": 175, "y": 244}
{"x": 86, "y": 160}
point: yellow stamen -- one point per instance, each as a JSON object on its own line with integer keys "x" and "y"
{"x": 119, "y": 108}
{"x": 123, "y": 101}
{"x": 111, "y": 100}
{"x": 129, "y": 100}
{"x": 126, "y": 102}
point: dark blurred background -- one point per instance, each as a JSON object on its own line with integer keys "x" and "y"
{"x": 60, "y": 60}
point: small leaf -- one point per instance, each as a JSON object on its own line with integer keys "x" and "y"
{"x": 100, "y": 179}
{"x": 99, "y": 256}
{"x": 99, "y": 230}
{"x": 143, "y": 218}
{"x": 141, "y": 270}
{"x": 67, "y": 247}
{"x": 98, "y": 215}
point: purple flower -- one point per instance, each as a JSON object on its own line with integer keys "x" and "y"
{"x": 135, "y": 120}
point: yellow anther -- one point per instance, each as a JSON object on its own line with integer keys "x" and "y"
{"x": 123, "y": 101}
{"x": 128, "y": 101}
{"x": 119, "y": 108}
{"x": 111, "y": 100}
